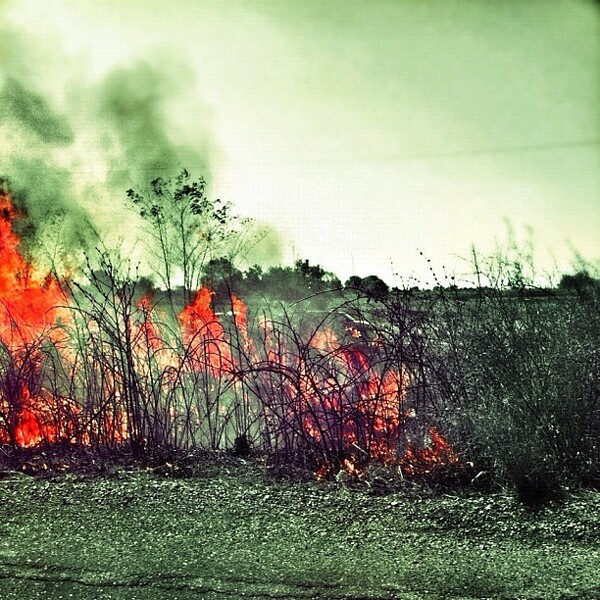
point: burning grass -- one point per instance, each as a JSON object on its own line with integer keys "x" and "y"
{"x": 99, "y": 364}
{"x": 183, "y": 447}
{"x": 134, "y": 535}
{"x": 504, "y": 382}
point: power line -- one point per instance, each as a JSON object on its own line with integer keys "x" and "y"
{"x": 518, "y": 149}
{"x": 480, "y": 152}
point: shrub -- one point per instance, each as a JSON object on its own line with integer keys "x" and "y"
{"x": 518, "y": 370}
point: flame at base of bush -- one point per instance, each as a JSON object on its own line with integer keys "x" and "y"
{"x": 335, "y": 395}
{"x": 350, "y": 397}
{"x": 414, "y": 461}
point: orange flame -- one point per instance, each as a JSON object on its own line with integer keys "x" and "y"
{"x": 353, "y": 409}
{"x": 28, "y": 302}
{"x": 343, "y": 401}
{"x": 29, "y": 307}
{"x": 204, "y": 335}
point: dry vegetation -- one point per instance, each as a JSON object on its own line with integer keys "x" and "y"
{"x": 344, "y": 442}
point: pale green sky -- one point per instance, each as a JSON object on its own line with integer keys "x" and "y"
{"x": 362, "y": 130}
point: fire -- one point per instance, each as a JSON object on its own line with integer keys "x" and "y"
{"x": 29, "y": 302}
{"x": 29, "y": 308}
{"x": 331, "y": 388}
{"x": 371, "y": 426}
{"x": 147, "y": 328}
{"x": 203, "y": 334}
{"x": 350, "y": 405}
{"x": 437, "y": 452}
{"x": 360, "y": 407}
{"x": 40, "y": 418}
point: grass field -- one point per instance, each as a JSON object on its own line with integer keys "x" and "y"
{"x": 134, "y": 535}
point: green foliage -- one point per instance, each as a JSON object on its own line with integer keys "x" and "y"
{"x": 374, "y": 287}
{"x": 224, "y": 279}
{"x": 292, "y": 284}
{"x": 186, "y": 229}
{"x": 581, "y": 282}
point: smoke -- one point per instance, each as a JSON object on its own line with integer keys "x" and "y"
{"x": 29, "y": 111}
{"x": 12, "y": 50}
{"x": 133, "y": 103}
{"x": 50, "y": 222}
{"x": 71, "y": 148}
{"x": 74, "y": 140}
{"x": 265, "y": 247}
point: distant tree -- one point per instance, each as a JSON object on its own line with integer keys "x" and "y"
{"x": 294, "y": 283}
{"x": 375, "y": 287}
{"x": 354, "y": 282}
{"x": 315, "y": 278}
{"x": 578, "y": 282}
{"x": 186, "y": 229}
{"x": 221, "y": 276}
{"x": 282, "y": 283}
{"x": 253, "y": 277}
{"x": 372, "y": 286}
{"x": 217, "y": 269}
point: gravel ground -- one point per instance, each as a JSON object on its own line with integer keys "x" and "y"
{"x": 135, "y": 535}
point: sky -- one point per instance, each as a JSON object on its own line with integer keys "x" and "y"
{"x": 363, "y": 133}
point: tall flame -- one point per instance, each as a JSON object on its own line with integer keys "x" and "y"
{"x": 28, "y": 301}
{"x": 203, "y": 334}
{"x": 29, "y": 307}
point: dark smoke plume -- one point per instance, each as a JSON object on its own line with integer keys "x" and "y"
{"x": 23, "y": 108}
{"x": 132, "y": 103}
{"x": 71, "y": 148}
{"x": 68, "y": 157}
{"x": 50, "y": 221}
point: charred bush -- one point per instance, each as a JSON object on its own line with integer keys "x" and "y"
{"x": 241, "y": 446}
